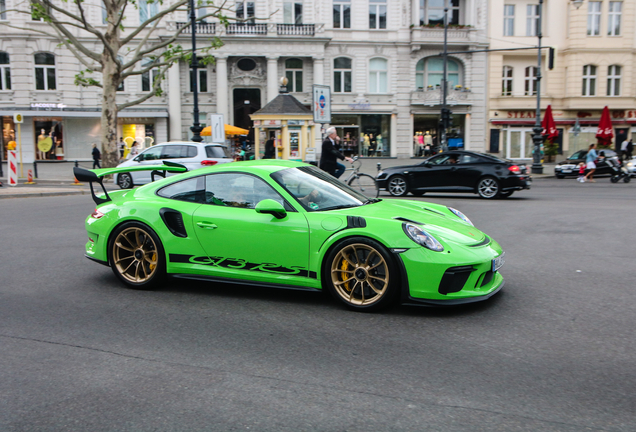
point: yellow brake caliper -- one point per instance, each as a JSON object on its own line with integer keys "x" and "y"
{"x": 344, "y": 276}
{"x": 154, "y": 259}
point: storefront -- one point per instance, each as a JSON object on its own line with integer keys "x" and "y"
{"x": 8, "y": 134}
{"x": 134, "y": 129}
{"x": 366, "y": 135}
{"x": 427, "y": 131}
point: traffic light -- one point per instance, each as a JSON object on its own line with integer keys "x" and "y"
{"x": 551, "y": 55}
{"x": 446, "y": 118}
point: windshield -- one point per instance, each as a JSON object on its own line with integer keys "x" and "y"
{"x": 316, "y": 190}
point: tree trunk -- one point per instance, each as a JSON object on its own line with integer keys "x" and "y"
{"x": 110, "y": 152}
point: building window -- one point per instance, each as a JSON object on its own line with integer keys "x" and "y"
{"x": 506, "y": 81}
{"x": 378, "y": 69}
{"x": 5, "y": 72}
{"x": 293, "y": 12}
{"x": 149, "y": 77}
{"x": 120, "y": 87}
{"x": 147, "y": 10}
{"x": 614, "y": 80}
{"x": 202, "y": 75}
{"x": 377, "y": 14}
{"x": 3, "y": 10}
{"x": 294, "y": 74}
{"x": 594, "y": 18}
{"x": 245, "y": 11}
{"x": 589, "y": 80}
{"x": 532, "y": 20}
{"x": 342, "y": 14}
{"x": 432, "y": 12}
{"x": 531, "y": 81}
{"x": 509, "y": 20}
{"x": 44, "y": 71}
{"x": 104, "y": 13}
{"x": 342, "y": 75}
{"x": 432, "y": 70}
{"x": 614, "y": 18}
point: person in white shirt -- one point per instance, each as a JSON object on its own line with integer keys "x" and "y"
{"x": 623, "y": 149}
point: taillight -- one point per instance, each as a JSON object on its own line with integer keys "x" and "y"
{"x": 97, "y": 214}
{"x": 208, "y": 162}
{"x": 514, "y": 169}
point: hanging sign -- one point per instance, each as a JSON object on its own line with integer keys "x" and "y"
{"x": 321, "y": 105}
{"x": 218, "y": 128}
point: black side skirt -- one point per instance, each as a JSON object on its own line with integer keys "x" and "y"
{"x": 242, "y": 282}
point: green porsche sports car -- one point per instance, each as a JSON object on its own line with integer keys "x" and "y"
{"x": 288, "y": 224}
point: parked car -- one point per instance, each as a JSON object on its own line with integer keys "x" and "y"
{"x": 457, "y": 171}
{"x": 192, "y": 155}
{"x": 569, "y": 167}
{"x": 630, "y": 164}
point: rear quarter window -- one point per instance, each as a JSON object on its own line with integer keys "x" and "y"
{"x": 216, "y": 152}
{"x": 192, "y": 190}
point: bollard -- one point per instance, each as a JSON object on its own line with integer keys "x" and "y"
{"x": 379, "y": 166}
{"x": 29, "y": 178}
{"x": 35, "y": 168}
{"x": 76, "y": 164}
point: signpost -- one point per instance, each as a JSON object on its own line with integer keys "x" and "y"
{"x": 18, "y": 119}
{"x": 321, "y": 105}
{"x": 217, "y": 126}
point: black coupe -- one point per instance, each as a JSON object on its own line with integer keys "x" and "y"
{"x": 457, "y": 171}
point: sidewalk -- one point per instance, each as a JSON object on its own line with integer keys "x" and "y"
{"x": 56, "y": 178}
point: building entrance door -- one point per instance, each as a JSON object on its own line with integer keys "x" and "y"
{"x": 246, "y": 101}
{"x": 518, "y": 143}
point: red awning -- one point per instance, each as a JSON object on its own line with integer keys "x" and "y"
{"x": 549, "y": 127}
{"x": 605, "y": 133}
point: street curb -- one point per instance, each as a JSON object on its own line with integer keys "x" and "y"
{"x": 43, "y": 194}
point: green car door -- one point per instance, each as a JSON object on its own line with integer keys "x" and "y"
{"x": 243, "y": 243}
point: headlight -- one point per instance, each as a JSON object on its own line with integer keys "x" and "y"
{"x": 461, "y": 215}
{"x": 421, "y": 237}
{"x": 381, "y": 174}
{"x": 629, "y": 164}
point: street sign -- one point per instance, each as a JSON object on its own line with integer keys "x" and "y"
{"x": 217, "y": 126}
{"x": 321, "y": 105}
{"x": 18, "y": 118}
{"x": 12, "y": 165}
{"x": 576, "y": 130}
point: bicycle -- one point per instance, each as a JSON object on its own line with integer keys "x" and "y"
{"x": 363, "y": 183}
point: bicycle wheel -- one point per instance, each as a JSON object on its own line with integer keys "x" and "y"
{"x": 365, "y": 184}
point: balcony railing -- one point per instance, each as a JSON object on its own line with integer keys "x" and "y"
{"x": 432, "y": 96}
{"x": 296, "y": 29}
{"x": 202, "y": 28}
{"x": 247, "y": 29}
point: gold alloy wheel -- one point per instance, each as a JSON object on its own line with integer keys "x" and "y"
{"x": 360, "y": 274}
{"x": 135, "y": 255}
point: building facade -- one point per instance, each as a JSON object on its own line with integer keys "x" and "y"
{"x": 381, "y": 59}
{"x": 594, "y": 42}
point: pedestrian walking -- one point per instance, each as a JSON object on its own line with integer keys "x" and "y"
{"x": 96, "y": 156}
{"x": 121, "y": 145}
{"x": 330, "y": 155}
{"x": 581, "y": 178}
{"x": 340, "y": 167}
{"x": 624, "y": 149}
{"x": 134, "y": 150}
{"x": 630, "y": 149}
{"x": 590, "y": 160}
{"x": 269, "y": 147}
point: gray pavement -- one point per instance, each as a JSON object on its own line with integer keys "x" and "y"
{"x": 56, "y": 178}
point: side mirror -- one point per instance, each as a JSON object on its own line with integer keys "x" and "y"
{"x": 269, "y": 206}
{"x": 138, "y": 158}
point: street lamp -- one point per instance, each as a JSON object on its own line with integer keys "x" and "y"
{"x": 445, "y": 120}
{"x": 537, "y": 137}
{"x": 196, "y": 126}
{"x": 577, "y": 3}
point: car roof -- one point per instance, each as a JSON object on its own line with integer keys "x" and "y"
{"x": 188, "y": 142}
{"x": 264, "y": 165}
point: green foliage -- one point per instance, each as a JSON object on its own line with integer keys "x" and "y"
{"x": 550, "y": 148}
{"x": 85, "y": 81}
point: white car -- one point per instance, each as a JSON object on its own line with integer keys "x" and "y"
{"x": 191, "y": 154}
{"x": 630, "y": 164}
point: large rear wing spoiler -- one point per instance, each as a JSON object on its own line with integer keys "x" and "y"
{"x": 97, "y": 175}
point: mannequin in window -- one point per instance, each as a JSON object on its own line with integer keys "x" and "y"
{"x": 366, "y": 142}
{"x": 41, "y": 137}
{"x": 416, "y": 144}
{"x": 428, "y": 144}
{"x": 372, "y": 144}
{"x": 379, "y": 148}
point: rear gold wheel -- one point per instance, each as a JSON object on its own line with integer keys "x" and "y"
{"x": 136, "y": 255}
{"x": 361, "y": 274}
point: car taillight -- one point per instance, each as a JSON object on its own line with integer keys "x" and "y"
{"x": 514, "y": 169}
{"x": 97, "y": 214}
{"x": 208, "y": 162}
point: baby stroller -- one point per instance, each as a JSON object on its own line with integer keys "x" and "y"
{"x": 618, "y": 171}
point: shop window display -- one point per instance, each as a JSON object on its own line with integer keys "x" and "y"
{"x": 49, "y": 143}
{"x": 8, "y": 134}
{"x": 365, "y": 135}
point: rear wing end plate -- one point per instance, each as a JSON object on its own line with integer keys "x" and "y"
{"x": 97, "y": 176}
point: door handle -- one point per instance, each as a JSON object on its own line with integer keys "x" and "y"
{"x": 206, "y": 225}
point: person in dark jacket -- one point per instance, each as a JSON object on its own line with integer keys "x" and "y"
{"x": 330, "y": 155}
{"x": 269, "y": 147}
{"x": 96, "y": 156}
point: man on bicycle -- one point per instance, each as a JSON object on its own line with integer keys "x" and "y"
{"x": 330, "y": 154}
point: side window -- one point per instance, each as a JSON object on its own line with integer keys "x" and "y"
{"x": 238, "y": 190}
{"x": 438, "y": 160}
{"x": 153, "y": 153}
{"x": 216, "y": 152}
{"x": 188, "y": 151}
{"x": 466, "y": 159}
{"x": 191, "y": 190}
{"x": 171, "y": 152}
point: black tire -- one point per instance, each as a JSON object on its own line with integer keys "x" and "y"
{"x": 417, "y": 193}
{"x": 505, "y": 194}
{"x": 361, "y": 274}
{"x": 125, "y": 181}
{"x": 615, "y": 179}
{"x": 136, "y": 256}
{"x": 627, "y": 179}
{"x": 365, "y": 184}
{"x": 488, "y": 187}
{"x": 397, "y": 186}
{"x": 560, "y": 177}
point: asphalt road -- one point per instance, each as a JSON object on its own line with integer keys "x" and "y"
{"x": 554, "y": 351}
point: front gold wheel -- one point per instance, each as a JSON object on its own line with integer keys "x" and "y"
{"x": 135, "y": 255}
{"x": 360, "y": 275}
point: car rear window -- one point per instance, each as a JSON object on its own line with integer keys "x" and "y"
{"x": 216, "y": 152}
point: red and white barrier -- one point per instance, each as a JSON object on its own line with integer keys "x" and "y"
{"x": 12, "y": 166}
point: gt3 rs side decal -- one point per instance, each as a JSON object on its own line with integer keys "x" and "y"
{"x": 241, "y": 264}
